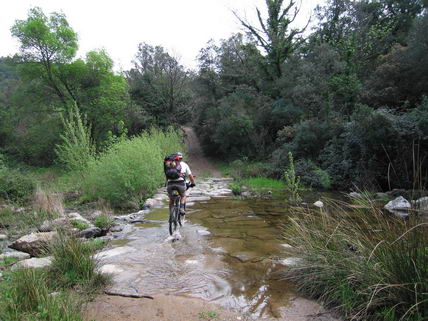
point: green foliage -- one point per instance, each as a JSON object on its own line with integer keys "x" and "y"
{"x": 131, "y": 169}
{"x": 76, "y": 148}
{"x": 311, "y": 175}
{"x": 292, "y": 181}
{"x": 367, "y": 264}
{"x": 80, "y": 225}
{"x": 25, "y": 295}
{"x": 103, "y": 222}
{"x": 15, "y": 185}
{"x": 209, "y": 315}
{"x": 263, "y": 183}
{"x": 73, "y": 264}
{"x": 236, "y": 188}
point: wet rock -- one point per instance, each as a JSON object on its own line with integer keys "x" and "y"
{"x": 90, "y": 232}
{"x": 33, "y": 263}
{"x": 114, "y": 252}
{"x": 319, "y": 204}
{"x": 291, "y": 261}
{"x": 110, "y": 269}
{"x": 400, "y": 203}
{"x": 245, "y": 256}
{"x": 203, "y": 232}
{"x": 34, "y": 243}
{"x": 3, "y": 237}
{"x": 116, "y": 228}
{"x": 287, "y": 246}
{"x": 15, "y": 254}
{"x": 421, "y": 203}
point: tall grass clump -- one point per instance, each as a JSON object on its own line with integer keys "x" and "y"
{"x": 130, "y": 170}
{"x": 26, "y": 296}
{"x": 77, "y": 147}
{"x": 73, "y": 264}
{"x": 48, "y": 204}
{"x": 367, "y": 264}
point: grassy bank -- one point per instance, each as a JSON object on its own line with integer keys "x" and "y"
{"x": 55, "y": 293}
{"x": 368, "y": 265}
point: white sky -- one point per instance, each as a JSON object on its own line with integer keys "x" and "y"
{"x": 182, "y": 27}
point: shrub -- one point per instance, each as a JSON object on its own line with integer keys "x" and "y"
{"x": 131, "y": 169}
{"x": 76, "y": 148}
{"x": 15, "y": 185}
{"x": 311, "y": 175}
{"x": 367, "y": 264}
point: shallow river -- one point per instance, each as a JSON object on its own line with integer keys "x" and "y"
{"x": 230, "y": 253}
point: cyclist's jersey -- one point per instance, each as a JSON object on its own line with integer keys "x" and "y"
{"x": 185, "y": 172}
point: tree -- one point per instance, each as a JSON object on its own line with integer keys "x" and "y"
{"x": 47, "y": 41}
{"x": 275, "y": 34}
{"x": 159, "y": 84}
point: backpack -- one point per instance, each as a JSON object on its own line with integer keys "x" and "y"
{"x": 172, "y": 167}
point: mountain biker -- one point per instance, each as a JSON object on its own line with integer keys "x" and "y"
{"x": 180, "y": 184}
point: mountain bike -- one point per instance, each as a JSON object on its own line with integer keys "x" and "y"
{"x": 174, "y": 213}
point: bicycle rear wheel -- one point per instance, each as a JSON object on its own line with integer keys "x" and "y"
{"x": 174, "y": 216}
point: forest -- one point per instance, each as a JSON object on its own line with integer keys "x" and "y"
{"x": 346, "y": 97}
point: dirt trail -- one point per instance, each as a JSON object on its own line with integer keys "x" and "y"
{"x": 199, "y": 164}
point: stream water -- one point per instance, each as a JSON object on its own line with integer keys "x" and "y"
{"x": 230, "y": 252}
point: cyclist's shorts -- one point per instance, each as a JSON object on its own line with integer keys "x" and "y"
{"x": 180, "y": 186}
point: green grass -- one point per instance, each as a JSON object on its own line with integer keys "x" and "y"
{"x": 368, "y": 265}
{"x": 6, "y": 262}
{"x": 73, "y": 265}
{"x": 80, "y": 225}
{"x": 258, "y": 183}
{"x": 25, "y": 295}
{"x": 103, "y": 222}
{"x": 209, "y": 315}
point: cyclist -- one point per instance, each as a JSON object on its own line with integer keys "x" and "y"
{"x": 180, "y": 184}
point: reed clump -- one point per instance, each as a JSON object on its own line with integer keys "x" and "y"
{"x": 365, "y": 263}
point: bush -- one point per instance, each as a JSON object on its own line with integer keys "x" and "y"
{"x": 369, "y": 265}
{"x": 311, "y": 175}
{"x": 132, "y": 169}
{"x": 15, "y": 185}
{"x": 76, "y": 148}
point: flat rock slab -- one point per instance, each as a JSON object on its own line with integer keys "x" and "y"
{"x": 15, "y": 254}
{"x": 110, "y": 269}
{"x": 33, "y": 263}
{"x": 114, "y": 252}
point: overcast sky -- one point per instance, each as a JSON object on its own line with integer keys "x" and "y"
{"x": 182, "y": 27}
